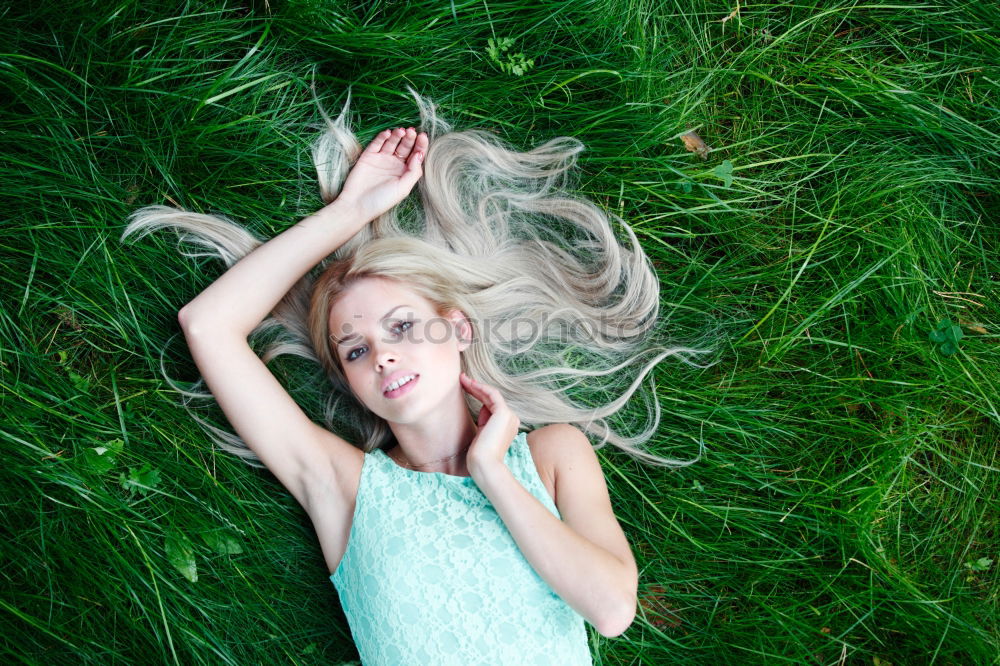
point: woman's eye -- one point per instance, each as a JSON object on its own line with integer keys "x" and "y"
{"x": 398, "y": 326}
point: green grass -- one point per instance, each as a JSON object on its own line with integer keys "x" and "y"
{"x": 850, "y": 484}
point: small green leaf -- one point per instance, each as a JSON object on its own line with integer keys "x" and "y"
{"x": 222, "y": 543}
{"x": 180, "y": 554}
{"x": 79, "y": 381}
{"x": 947, "y": 335}
{"x": 99, "y": 459}
{"x": 982, "y": 564}
{"x": 140, "y": 480}
{"x": 724, "y": 172}
{"x": 508, "y": 63}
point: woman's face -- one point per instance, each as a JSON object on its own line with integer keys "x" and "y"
{"x": 383, "y": 333}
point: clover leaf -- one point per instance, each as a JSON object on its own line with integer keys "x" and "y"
{"x": 946, "y": 336}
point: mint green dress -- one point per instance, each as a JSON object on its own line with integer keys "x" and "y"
{"x": 432, "y": 575}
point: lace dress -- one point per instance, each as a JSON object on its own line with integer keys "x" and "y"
{"x": 432, "y": 575}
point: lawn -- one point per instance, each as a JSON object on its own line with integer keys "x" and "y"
{"x": 817, "y": 184}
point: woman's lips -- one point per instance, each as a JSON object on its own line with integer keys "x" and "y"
{"x": 402, "y": 390}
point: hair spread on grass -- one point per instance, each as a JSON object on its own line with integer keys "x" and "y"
{"x": 560, "y": 308}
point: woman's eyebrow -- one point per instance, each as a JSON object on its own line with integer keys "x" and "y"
{"x": 337, "y": 342}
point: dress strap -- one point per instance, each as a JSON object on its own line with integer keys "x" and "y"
{"x": 522, "y": 465}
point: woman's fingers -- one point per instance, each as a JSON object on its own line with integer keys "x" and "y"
{"x": 480, "y": 392}
{"x": 471, "y": 386}
{"x": 399, "y": 142}
{"x": 389, "y": 147}
{"x": 421, "y": 142}
{"x": 487, "y": 395}
{"x": 406, "y": 143}
{"x": 376, "y": 144}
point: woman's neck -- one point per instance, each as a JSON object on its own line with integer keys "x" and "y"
{"x": 438, "y": 446}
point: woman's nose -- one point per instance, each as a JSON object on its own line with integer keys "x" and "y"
{"x": 385, "y": 356}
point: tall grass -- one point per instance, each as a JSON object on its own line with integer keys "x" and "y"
{"x": 846, "y": 510}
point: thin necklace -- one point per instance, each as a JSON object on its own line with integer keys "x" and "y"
{"x": 431, "y": 462}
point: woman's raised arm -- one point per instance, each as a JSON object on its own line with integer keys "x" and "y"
{"x": 302, "y": 455}
{"x": 239, "y": 300}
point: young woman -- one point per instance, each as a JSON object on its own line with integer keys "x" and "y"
{"x": 452, "y": 532}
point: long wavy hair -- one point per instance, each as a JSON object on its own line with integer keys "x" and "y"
{"x": 557, "y": 304}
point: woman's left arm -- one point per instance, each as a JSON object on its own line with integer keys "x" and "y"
{"x": 585, "y": 557}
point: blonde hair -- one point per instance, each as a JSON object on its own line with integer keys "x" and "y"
{"x": 497, "y": 236}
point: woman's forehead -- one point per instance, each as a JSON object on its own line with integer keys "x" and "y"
{"x": 371, "y": 297}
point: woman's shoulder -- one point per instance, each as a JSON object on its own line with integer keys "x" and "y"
{"x": 554, "y": 436}
{"x": 546, "y": 444}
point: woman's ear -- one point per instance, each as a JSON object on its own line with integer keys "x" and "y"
{"x": 462, "y": 327}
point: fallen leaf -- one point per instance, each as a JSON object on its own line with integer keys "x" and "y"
{"x": 68, "y": 317}
{"x": 662, "y": 612}
{"x": 848, "y": 31}
{"x": 732, "y": 14}
{"x": 975, "y": 327}
{"x": 694, "y": 144}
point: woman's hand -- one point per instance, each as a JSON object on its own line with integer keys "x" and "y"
{"x": 497, "y": 428}
{"x": 385, "y": 172}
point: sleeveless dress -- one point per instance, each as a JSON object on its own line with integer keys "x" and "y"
{"x": 432, "y": 575}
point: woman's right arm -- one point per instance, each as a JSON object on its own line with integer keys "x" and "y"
{"x": 218, "y": 321}
{"x": 216, "y": 325}
{"x": 244, "y": 295}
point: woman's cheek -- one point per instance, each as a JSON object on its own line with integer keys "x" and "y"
{"x": 437, "y": 331}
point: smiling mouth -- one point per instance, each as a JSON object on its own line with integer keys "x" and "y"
{"x": 401, "y": 388}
